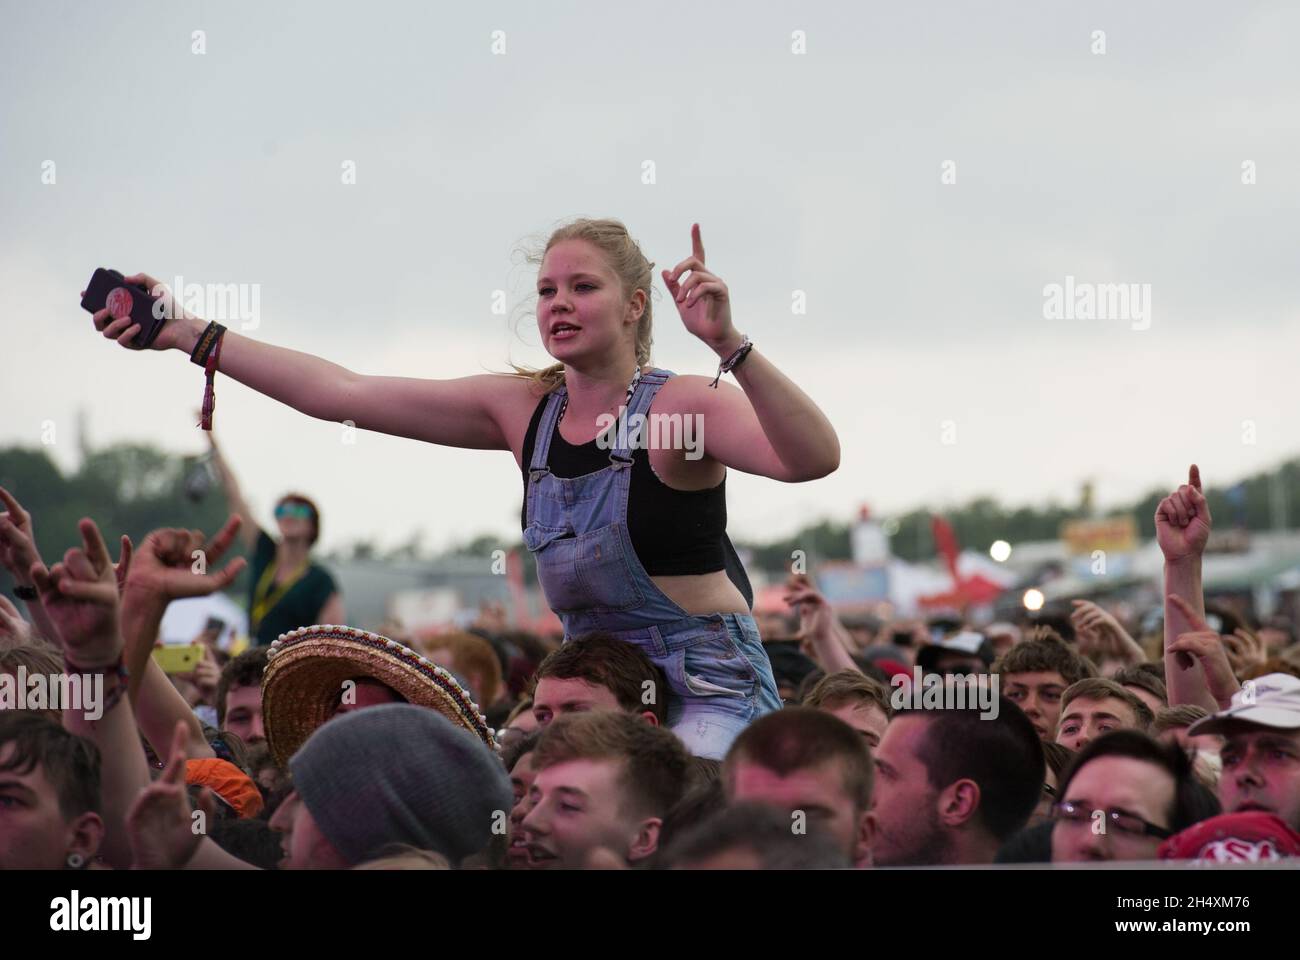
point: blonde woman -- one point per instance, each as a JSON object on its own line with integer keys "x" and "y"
{"x": 628, "y": 531}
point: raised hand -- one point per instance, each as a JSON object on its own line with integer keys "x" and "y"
{"x": 123, "y": 565}
{"x": 821, "y": 635}
{"x": 1246, "y": 651}
{"x": 123, "y": 329}
{"x": 12, "y": 625}
{"x": 164, "y": 834}
{"x": 17, "y": 541}
{"x": 1183, "y": 520}
{"x": 702, "y": 299}
{"x": 1205, "y": 646}
{"x": 206, "y": 675}
{"x": 173, "y": 563}
{"x": 815, "y": 615}
{"x": 1101, "y": 635}
{"x": 80, "y": 597}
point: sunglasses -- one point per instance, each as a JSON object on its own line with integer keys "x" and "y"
{"x": 294, "y": 510}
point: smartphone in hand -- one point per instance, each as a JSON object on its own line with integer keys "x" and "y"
{"x": 108, "y": 288}
{"x": 178, "y": 659}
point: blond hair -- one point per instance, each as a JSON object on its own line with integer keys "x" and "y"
{"x": 624, "y": 257}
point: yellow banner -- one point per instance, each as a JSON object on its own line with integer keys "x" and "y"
{"x": 1115, "y": 535}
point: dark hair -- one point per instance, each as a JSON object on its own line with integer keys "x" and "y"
{"x": 227, "y": 746}
{"x": 704, "y": 770}
{"x": 1001, "y": 754}
{"x": 618, "y": 666}
{"x": 244, "y": 670}
{"x": 1057, "y": 622}
{"x": 1058, "y": 757}
{"x": 806, "y": 685}
{"x": 1033, "y": 844}
{"x": 655, "y": 763}
{"x": 1154, "y": 667}
{"x": 1045, "y": 652}
{"x": 761, "y": 829}
{"x": 1143, "y": 678}
{"x": 700, "y": 802}
{"x": 1193, "y": 800}
{"x": 310, "y": 505}
{"x": 250, "y": 840}
{"x": 1099, "y": 688}
{"x": 797, "y": 738}
{"x": 872, "y": 670}
{"x": 70, "y": 763}
{"x": 516, "y": 751}
{"x": 530, "y": 645}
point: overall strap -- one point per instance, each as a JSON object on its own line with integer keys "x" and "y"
{"x": 545, "y": 428}
{"x": 640, "y": 405}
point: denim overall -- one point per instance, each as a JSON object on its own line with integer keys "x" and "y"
{"x": 719, "y": 676}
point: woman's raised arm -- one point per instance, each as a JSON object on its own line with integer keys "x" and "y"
{"x": 773, "y": 428}
{"x": 465, "y": 412}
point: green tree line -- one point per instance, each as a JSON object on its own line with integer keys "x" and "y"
{"x": 127, "y": 488}
{"x": 135, "y": 488}
{"x": 978, "y": 523}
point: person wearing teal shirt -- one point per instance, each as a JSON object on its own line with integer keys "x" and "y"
{"x": 287, "y": 590}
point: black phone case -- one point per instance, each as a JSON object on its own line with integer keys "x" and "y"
{"x": 105, "y": 282}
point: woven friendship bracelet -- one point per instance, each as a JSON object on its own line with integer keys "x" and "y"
{"x": 732, "y": 362}
{"x": 117, "y": 670}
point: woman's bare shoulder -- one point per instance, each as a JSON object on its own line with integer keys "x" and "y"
{"x": 512, "y": 400}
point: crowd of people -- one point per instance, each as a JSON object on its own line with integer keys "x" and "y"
{"x": 673, "y": 728}
{"x": 336, "y": 747}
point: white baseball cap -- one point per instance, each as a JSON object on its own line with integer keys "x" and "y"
{"x": 1272, "y": 700}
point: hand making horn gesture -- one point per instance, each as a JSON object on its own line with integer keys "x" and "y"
{"x": 173, "y": 563}
{"x": 702, "y": 299}
{"x": 80, "y": 596}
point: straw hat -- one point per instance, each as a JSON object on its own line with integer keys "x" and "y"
{"x": 306, "y": 669}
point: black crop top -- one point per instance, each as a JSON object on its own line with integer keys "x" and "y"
{"x": 674, "y": 532}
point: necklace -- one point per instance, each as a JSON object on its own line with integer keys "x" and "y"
{"x": 627, "y": 401}
{"x": 267, "y": 593}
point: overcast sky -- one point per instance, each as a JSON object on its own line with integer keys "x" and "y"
{"x": 821, "y": 172}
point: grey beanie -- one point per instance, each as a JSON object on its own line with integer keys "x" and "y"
{"x": 398, "y": 773}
